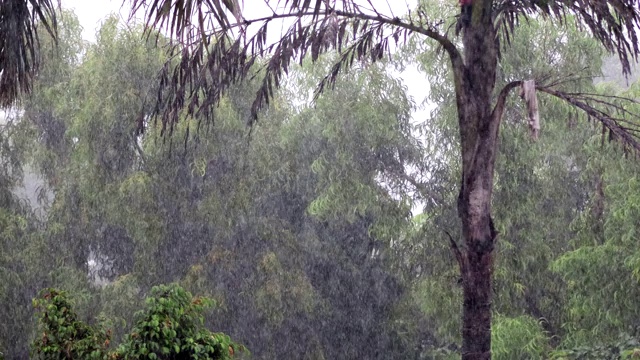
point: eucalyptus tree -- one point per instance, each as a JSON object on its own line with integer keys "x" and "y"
{"x": 19, "y": 44}
{"x": 217, "y": 44}
{"x": 601, "y": 266}
{"x": 17, "y": 228}
{"x": 291, "y": 229}
{"x": 24, "y": 262}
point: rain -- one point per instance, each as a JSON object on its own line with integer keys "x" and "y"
{"x": 328, "y": 179}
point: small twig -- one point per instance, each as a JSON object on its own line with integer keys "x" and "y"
{"x": 456, "y": 250}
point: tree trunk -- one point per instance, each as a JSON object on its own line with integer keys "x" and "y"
{"x": 476, "y": 308}
{"x": 479, "y": 125}
{"x": 476, "y": 263}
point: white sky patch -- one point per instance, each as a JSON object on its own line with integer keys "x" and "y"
{"x": 93, "y": 13}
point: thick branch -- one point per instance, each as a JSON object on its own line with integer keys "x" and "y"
{"x": 139, "y": 150}
{"x": 498, "y": 109}
{"x": 422, "y": 189}
{"x": 456, "y": 251}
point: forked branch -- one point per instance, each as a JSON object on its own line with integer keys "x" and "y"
{"x": 498, "y": 109}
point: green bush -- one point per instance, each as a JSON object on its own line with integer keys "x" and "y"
{"x": 171, "y": 327}
{"x": 519, "y": 337}
{"x": 627, "y": 348}
{"x": 61, "y": 335}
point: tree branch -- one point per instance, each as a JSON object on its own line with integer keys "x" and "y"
{"x": 456, "y": 252}
{"x": 622, "y": 133}
{"x": 444, "y": 41}
{"x": 422, "y": 189}
{"x": 498, "y": 109}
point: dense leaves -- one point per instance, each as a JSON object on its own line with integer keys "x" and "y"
{"x": 63, "y": 335}
{"x": 171, "y": 327}
{"x": 287, "y": 229}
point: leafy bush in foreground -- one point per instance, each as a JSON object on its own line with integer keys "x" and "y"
{"x": 171, "y": 327}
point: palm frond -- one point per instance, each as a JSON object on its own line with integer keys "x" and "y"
{"x": 213, "y": 48}
{"x": 19, "y": 55}
{"x": 612, "y": 112}
{"x": 209, "y": 57}
{"x": 615, "y": 23}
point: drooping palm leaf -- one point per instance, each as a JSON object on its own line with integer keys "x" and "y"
{"x": 217, "y": 46}
{"x": 19, "y": 55}
{"x": 215, "y": 51}
{"x": 614, "y": 23}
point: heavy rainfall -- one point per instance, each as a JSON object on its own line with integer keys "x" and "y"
{"x": 315, "y": 180}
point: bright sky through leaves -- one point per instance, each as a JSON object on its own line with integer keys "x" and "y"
{"x": 92, "y": 13}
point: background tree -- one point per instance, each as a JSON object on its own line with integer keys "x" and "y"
{"x": 291, "y": 230}
{"x": 212, "y": 59}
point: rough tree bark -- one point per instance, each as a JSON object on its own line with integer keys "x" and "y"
{"x": 478, "y": 138}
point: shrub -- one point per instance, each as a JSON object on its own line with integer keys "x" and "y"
{"x": 170, "y": 328}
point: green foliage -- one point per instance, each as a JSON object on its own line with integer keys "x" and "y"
{"x": 292, "y": 227}
{"x": 171, "y": 327}
{"x": 625, "y": 348}
{"x": 436, "y": 299}
{"x": 61, "y": 335}
{"x": 518, "y": 338}
{"x": 120, "y": 300}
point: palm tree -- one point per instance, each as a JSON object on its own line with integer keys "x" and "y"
{"x": 19, "y": 43}
{"x": 215, "y": 47}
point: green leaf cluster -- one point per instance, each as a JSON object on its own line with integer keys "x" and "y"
{"x": 170, "y": 327}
